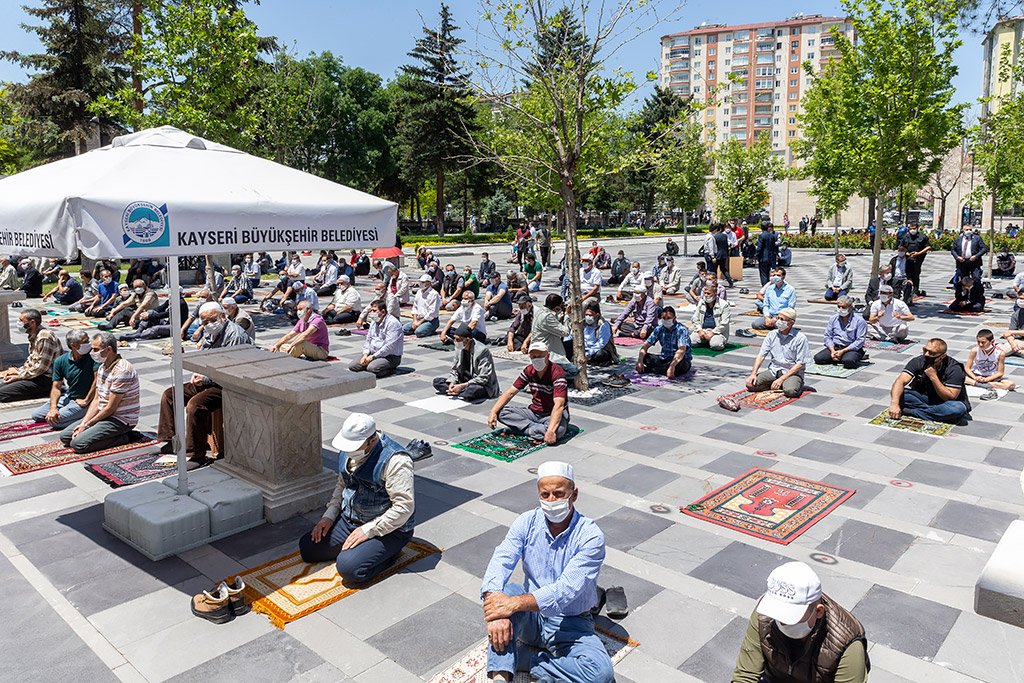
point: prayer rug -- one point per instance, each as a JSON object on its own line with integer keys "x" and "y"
{"x": 652, "y": 380}
{"x": 754, "y": 313}
{"x": 708, "y": 351}
{"x": 81, "y": 324}
{"x": 503, "y": 352}
{"x": 131, "y": 470}
{"x": 912, "y": 424}
{"x": 770, "y": 505}
{"x": 628, "y": 341}
{"x": 988, "y": 301}
{"x": 972, "y": 314}
{"x": 35, "y": 402}
{"x": 42, "y": 456}
{"x": 472, "y": 668}
{"x": 20, "y": 428}
{"x": 747, "y": 296}
{"x": 504, "y": 445}
{"x": 977, "y": 392}
{"x": 830, "y": 370}
{"x": 1010, "y": 360}
{"x": 598, "y": 394}
{"x": 360, "y": 331}
{"x": 438, "y": 346}
{"x": 896, "y": 347}
{"x": 760, "y": 333}
{"x": 288, "y": 588}
{"x": 991, "y": 324}
{"x": 767, "y": 400}
{"x": 821, "y": 301}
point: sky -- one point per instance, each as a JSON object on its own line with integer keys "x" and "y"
{"x": 377, "y": 34}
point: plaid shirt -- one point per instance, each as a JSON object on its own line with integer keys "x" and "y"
{"x": 43, "y": 350}
{"x": 671, "y": 339}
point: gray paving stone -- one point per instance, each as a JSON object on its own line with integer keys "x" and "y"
{"x": 739, "y": 567}
{"x": 638, "y": 590}
{"x": 901, "y": 438}
{"x": 50, "y": 538}
{"x": 871, "y": 412}
{"x": 379, "y": 405}
{"x": 734, "y": 432}
{"x": 716, "y": 659}
{"x": 270, "y": 658}
{"x": 12, "y": 493}
{"x": 935, "y": 474}
{"x": 813, "y": 423}
{"x": 654, "y": 445}
{"x": 473, "y": 555}
{"x": 862, "y": 542}
{"x": 432, "y": 635}
{"x": 453, "y": 469}
{"x": 1006, "y": 457}
{"x": 263, "y": 537}
{"x": 987, "y": 430}
{"x": 618, "y": 408}
{"x": 984, "y": 649}
{"x": 518, "y": 498}
{"x": 37, "y": 643}
{"x": 625, "y": 528}
{"x": 639, "y": 480}
{"x": 866, "y": 490}
{"x": 421, "y": 423}
{"x": 825, "y": 451}
{"x": 905, "y": 622}
{"x": 735, "y": 464}
{"x": 973, "y": 520}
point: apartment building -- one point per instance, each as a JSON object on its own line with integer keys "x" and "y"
{"x": 1002, "y": 40}
{"x": 766, "y": 61}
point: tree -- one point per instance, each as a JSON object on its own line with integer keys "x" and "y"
{"x": 437, "y": 107}
{"x": 558, "y": 133}
{"x": 682, "y": 168}
{"x": 661, "y": 113}
{"x": 83, "y": 59}
{"x": 497, "y": 209}
{"x": 197, "y": 63}
{"x": 881, "y": 115}
{"x": 741, "y": 177}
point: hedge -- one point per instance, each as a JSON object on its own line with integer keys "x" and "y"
{"x": 826, "y": 240}
{"x": 416, "y": 241}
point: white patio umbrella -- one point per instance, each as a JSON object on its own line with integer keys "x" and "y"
{"x": 165, "y": 193}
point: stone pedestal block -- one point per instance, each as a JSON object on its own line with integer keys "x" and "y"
{"x": 9, "y": 353}
{"x": 999, "y": 592}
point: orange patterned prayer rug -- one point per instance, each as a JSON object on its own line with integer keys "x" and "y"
{"x": 770, "y": 505}
{"x": 770, "y": 399}
{"x": 288, "y": 588}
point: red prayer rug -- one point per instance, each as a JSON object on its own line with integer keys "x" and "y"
{"x": 19, "y": 428}
{"x": 42, "y": 456}
{"x": 767, "y": 400}
{"x": 770, "y": 505}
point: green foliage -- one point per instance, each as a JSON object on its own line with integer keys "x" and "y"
{"x": 82, "y": 60}
{"x": 997, "y": 143}
{"x": 198, "y": 61}
{"x": 497, "y": 209}
{"x": 683, "y": 166}
{"x": 883, "y": 114}
{"x": 742, "y": 175}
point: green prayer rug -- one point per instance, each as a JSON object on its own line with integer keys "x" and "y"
{"x": 708, "y": 351}
{"x": 503, "y": 445}
{"x": 912, "y": 424}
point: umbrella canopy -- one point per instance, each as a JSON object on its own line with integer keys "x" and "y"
{"x": 164, "y": 192}
{"x": 386, "y": 252}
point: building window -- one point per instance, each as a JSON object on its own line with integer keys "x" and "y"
{"x": 795, "y": 44}
{"x": 778, "y": 58}
{"x": 764, "y": 58}
{"x": 810, "y": 55}
{"x": 727, "y": 62}
{"x": 712, "y": 40}
{"x": 794, "y": 69}
{"x": 792, "y": 107}
{"x": 812, "y": 29}
{"x": 696, "y": 65}
{"x": 728, "y": 49}
{"x": 739, "y": 110}
{"x": 810, "y": 43}
{"x": 793, "y": 95}
{"x": 776, "y": 122}
{"x": 776, "y": 109}
{"x": 711, "y": 65}
{"x": 696, "y": 89}
{"x": 794, "y": 32}
{"x": 807, "y": 81}
{"x": 697, "y": 41}
{"x": 778, "y": 97}
{"x": 711, "y": 52}
{"x": 741, "y": 47}
{"x": 725, "y": 124}
{"x": 741, "y": 35}
{"x": 792, "y": 120}
{"x": 793, "y": 82}
{"x": 792, "y": 133}
{"x": 778, "y": 84}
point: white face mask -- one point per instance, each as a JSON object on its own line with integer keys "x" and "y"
{"x": 709, "y": 299}
{"x": 539, "y": 364}
{"x": 637, "y": 296}
{"x": 140, "y": 290}
{"x": 556, "y": 510}
{"x": 466, "y": 303}
{"x": 844, "y": 312}
{"x": 783, "y": 326}
{"x": 886, "y": 298}
{"x": 97, "y": 357}
{"x": 213, "y": 329}
{"x": 887, "y": 276}
{"x": 913, "y": 231}
{"x": 668, "y": 324}
{"x": 797, "y": 631}
{"x": 107, "y": 280}
{"x": 636, "y": 271}
{"x": 967, "y": 233}
{"x": 589, "y": 319}
{"x": 776, "y": 279}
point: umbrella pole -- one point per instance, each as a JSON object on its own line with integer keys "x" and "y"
{"x": 174, "y": 299}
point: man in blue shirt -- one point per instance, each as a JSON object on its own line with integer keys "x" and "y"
{"x": 773, "y": 297}
{"x": 675, "y": 357}
{"x": 844, "y": 337}
{"x": 497, "y": 300}
{"x": 562, "y": 552}
{"x": 597, "y": 337}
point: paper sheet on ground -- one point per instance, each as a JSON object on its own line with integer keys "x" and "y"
{"x": 977, "y": 392}
{"x": 438, "y": 404}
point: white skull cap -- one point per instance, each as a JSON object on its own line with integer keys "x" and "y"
{"x": 555, "y": 468}
{"x": 210, "y": 306}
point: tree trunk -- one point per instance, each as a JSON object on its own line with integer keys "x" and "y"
{"x": 419, "y": 217}
{"x": 686, "y": 233}
{"x": 991, "y": 235}
{"x": 136, "y": 78}
{"x": 942, "y": 213}
{"x": 465, "y": 206}
{"x": 572, "y": 271}
{"x": 876, "y": 253}
{"x": 440, "y": 202}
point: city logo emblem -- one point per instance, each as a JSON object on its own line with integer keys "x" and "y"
{"x": 145, "y": 225}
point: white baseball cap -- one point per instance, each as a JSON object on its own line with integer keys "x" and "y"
{"x": 554, "y": 468}
{"x": 357, "y": 429}
{"x": 539, "y": 346}
{"x": 791, "y": 588}
{"x": 425, "y": 278}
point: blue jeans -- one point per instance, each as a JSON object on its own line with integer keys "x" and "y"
{"x": 70, "y": 412}
{"x": 832, "y": 296}
{"x": 570, "y": 650}
{"x": 533, "y": 286}
{"x": 355, "y": 565}
{"x": 915, "y": 404}
{"x": 424, "y": 329}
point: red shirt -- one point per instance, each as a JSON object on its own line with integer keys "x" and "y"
{"x": 545, "y": 387}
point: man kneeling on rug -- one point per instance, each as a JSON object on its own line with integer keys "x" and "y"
{"x": 73, "y": 375}
{"x": 562, "y": 552}
{"x": 472, "y": 377}
{"x": 370, "y": 517}
{"x": 547, "y": 417}
{"x": 114, "y": 410}
{"x": 798, "y": 633}
{"x": 787, "y": 352}
{"x": 931, "y": 387}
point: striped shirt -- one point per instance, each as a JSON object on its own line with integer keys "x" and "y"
{"x": 119, "y": 378}
{"x": 560, "y": 572}
{"x": 544, "y": 387}
{"x": 42, "y": 352}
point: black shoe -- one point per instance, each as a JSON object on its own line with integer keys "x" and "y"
{"x": 596, "y": 609}
{"x": 167, "y": 448}
{"x": 343, "y": 332}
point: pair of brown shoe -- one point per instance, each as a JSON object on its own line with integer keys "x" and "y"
{"x": 222, "y": 603}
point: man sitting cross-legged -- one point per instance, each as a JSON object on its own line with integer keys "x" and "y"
{"x": 472, "y": 376}
{"x": 644, "y": 313}
{"x": 562, "y": 552}
{"x": 889, "y": 317}
{"x": 711, "y": 319}
{"x": 384, "y": 344}
{"x": 773, "y": 297}
{"x": 844, "y": 337}
{"x": 114, "y": 410}
{"x": 520, "y": 331}
{"x": 675, "y": 357}
{"x": 309, "y": 338}
{"x": 787, "y": 352}
{"x": 34, "y": 378}
{"x": 931, "y": 387}
{"x": 547, "y": 417}
{"x": 1015, "y": 334}
{"x": 73, "y": 374}
{"x": 370, "y": 517}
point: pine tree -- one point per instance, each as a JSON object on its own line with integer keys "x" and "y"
{"x": 438, "y": 115}
{"x": 83, "y": 59}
